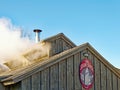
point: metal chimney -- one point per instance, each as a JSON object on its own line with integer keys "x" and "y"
{"x": 37, "y": 35}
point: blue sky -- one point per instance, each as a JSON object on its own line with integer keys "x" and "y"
{"x": 93, "y": 21}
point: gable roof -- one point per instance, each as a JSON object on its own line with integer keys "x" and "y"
{"x": 28, "y": 55}
{"x": 18, "y": 75}
{"x": 60, "y": 35}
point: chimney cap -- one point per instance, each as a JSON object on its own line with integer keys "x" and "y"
{"x": 37, "y": 30}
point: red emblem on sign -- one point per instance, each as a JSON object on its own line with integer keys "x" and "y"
{"x": 86, "y": 74}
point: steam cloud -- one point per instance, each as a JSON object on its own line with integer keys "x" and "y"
{"x": 11, "y": 42}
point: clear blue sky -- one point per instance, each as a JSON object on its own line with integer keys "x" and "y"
{"x": 93, "y": 21}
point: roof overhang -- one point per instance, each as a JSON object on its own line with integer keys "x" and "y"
{"x": 30, "y": 70}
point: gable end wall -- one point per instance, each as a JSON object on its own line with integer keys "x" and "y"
{"x": 64, "y": 75}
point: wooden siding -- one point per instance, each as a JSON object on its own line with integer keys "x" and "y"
{"x": 35, "y": 81}
{"x": 45, "y": 79}
{"x": 58, "y": 45}
{"x": 54, "y": 77}
{"x": 109, "y": 80}
{"x": 70, "y": 74}
{"x": 2, "y": 86}
{"x": 97, "y": 74}
{"x": 64, "y": 75}
{"x": 16, "y": 86}
{"x": 77, "y": 85}
{"x": 118, "y": 84}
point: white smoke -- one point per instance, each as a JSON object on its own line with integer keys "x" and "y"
{"x": 17, "y": 51}
{"x": 11, "y": 42}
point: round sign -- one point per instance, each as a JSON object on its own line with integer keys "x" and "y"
{"x": 86, "y": 74}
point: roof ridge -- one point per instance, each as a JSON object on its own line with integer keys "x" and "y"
{"x": 58, "y": 35}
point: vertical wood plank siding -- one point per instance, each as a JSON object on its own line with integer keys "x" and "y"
{"x": 70, "y": 73}
{"x": 64, "y": 75}
{"x": 118, "y": 84}
{"x": 36, "y": 81}
{"x": 97, "y": 74}
{"x": 59, "y": 45}
{"x": 114, "y": 82}
{"x": 103, "y": 76}
{"x": 2, "y": 86}
{"x": 91, "y": 57}
{"x": 17, "y": 86}
{"x": 54, "y": 74}
{"x": 76, "y": 71}
{"x": 45, "y": 79}
{"x": 109, "y": 79}
{"x": 27, "y": 84}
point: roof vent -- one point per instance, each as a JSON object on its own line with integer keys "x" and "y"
{"x": 37, "y": 35}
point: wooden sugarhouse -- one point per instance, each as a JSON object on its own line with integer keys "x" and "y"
{"x": 63, "y": 66}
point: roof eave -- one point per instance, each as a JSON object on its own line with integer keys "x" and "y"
{"x": 14, "y": 79}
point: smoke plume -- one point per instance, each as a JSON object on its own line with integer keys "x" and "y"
{"x": 11, "y": 42}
